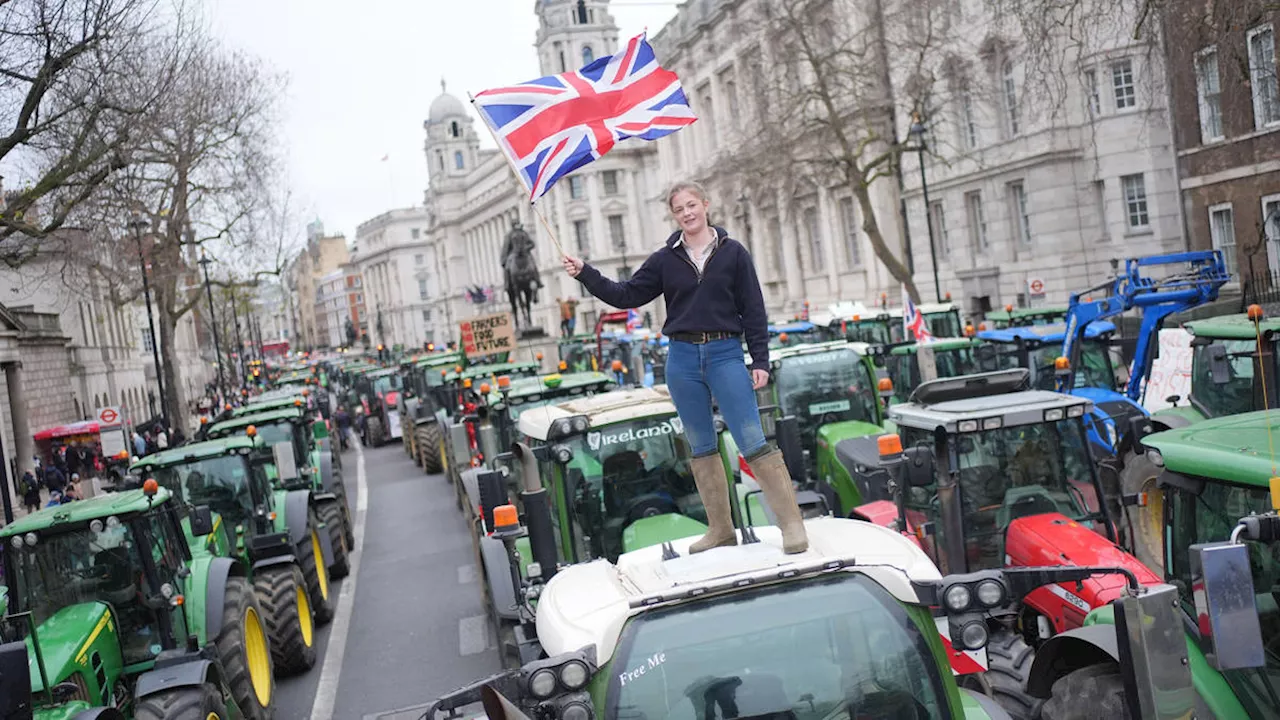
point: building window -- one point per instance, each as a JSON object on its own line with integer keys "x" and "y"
{"x": 849, "y": 223}
{"x": 440, "y": 159}
{"x": 1222, "y": 229}
{"x": 453, "y": 128}
{"x": 1018, "y": 212}
{"x": 419, "y": 258}
{"x": 939, "y": 218}
{"x": 415, "y": 233}
{"x": 1135, "y": 201}
{"x": 458, "y": 163}
{"x": 422, "y": 289}
{"x": 576, "y": 190}
{"x": 616, "y": 232}
{"x": 1091, "y": 91}
{"x": 968, "y": 126}
{"x": 977, "y": 217}
{"x": 610, "y": 182}
{"x": 580, "y": 237}
{"x": 426, "y": 316}
{"x": 587, "y": 55}
{"x": 1271, "y": 230}
{"x": 560, "y": 56}
{"x": 148, "y": 340}
{"x": 815, "y": 237}
{"x": 729, "y": 88}
{"x": 1209, "y": 95}
{"x": 1100, "y": 208}
{"x": 1262, "y": 72}
{"x": 1012, "y": 113}
{"x": 1122, "y": 84}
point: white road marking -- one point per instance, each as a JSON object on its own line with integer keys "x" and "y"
{"x": 466, "y": 574}
{"x": 327, "y": 689}
{"x": 473, "y": 635}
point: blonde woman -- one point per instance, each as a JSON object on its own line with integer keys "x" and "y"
{"x": 714, "y": 301}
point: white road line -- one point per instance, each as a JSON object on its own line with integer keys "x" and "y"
{"x": 327, "y": 689}
{"x": 466, "y": 574}
{"x": 473, "y": 635}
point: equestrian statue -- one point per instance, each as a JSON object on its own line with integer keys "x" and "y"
{"x": 521, "y": 273}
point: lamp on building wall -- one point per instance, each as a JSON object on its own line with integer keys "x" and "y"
{"x": 916, "y": 133}
{"x": 213, "y": 319}
{"x": 137, "y": 224}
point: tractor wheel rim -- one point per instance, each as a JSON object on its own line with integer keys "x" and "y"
{"x": 212, "y": 716}
{"x": 258, "y": 656}
{"x": 1152, "y": 516}
{"x": 322, "y": 573}
{"x": 304, "y": 615}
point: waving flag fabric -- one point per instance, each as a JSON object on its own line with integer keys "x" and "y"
{"x": 554, "y": 125}
{"x": 913, "y": 320}
{"x": 633, "y": 320}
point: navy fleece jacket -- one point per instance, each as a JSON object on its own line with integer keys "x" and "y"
{"x": 725, "y": 297}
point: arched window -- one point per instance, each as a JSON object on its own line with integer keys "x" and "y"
{"x": 587, "y": 55}
{"x": 457, "y": 160}
{"x": 453, "y": 129}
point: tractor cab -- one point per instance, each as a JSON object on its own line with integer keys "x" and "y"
{"x": 290, "y": 429}
{"x": 1011, "y": 316}
{"x": 941, "y": 319}
{"x": 855, "y": 322}
{"x": 1038, "y": 347}
{"x": 379, "y": 396}
{"x": 984, "y": 453}
{"x": 797, "y": 332}
{"x": 1228, "y": 375}
{"x": 578, "y": 353}
{"x": 509, "y": 398}
{"x": 953, "y": 357}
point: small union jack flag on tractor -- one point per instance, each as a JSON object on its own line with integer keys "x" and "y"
{"x": 913, "y": 320}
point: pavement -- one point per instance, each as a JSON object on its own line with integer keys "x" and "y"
{"x": 409, "y": 625}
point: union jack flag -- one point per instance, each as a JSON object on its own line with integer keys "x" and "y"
{"x": 633, "y": 320}
{"x": 554, "y": 125}
{"x": 913, "y": 320}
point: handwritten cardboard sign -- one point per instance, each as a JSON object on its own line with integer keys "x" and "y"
{"x": 488, "y": 334}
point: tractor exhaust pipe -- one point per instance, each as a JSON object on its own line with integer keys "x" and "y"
{"x": 537, "y": 512}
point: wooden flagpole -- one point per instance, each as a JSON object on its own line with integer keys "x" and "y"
{"x": 511, "y": 164}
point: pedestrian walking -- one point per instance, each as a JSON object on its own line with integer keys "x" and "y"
{"x": 162, "y": 439}
{"x": 29, "y": 489}
{"x": 343, "y": 420}
{"x": 54, "y": 479}
{"x": 139, "y": 444}
{"x": 714, "y": 302}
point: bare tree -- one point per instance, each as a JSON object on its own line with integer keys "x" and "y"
{"x": 71, "y": 89}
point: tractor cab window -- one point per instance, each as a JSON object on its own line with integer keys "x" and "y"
{"x": 577, "y": 357}
{"x": 626, "y": 473}
{"x": 386, "y": 383}
{"x": 1210, "y": 517}
{"x": 284, "y": 431}
{"x": 1095, "y": 371}
{"x": 221, "y": 482}
{"x": 944, "y": 324}
{"x": 874, "y": 332}
{"x": 826, "y": 387}
{"x": 73, "y": 567}
{"x": 1233, "y": 393}
{"x": 1018, "y": 471}
{"x": 833, "y": 647}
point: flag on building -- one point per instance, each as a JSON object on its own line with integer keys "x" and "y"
{"x": 913, "y": 320}
{"x": 554, "y": 125}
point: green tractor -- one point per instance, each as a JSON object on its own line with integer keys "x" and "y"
{"x": 1016, "y": 317}
{"x": 953, "y": 357}
{"x": 862, "y": 625}
{"x": 460, "y": 408}
{"x": 273, "y": 532}
{"x": 578, "y": 353}
{"x": 303, "y": 463}
{"x": 114, "y": 611}
{"x": 423, "y": 395}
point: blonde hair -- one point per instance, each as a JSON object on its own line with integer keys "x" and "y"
{"x": 689, "y": 185}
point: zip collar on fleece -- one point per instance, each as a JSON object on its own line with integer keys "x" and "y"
{"x": 677, "y": 238}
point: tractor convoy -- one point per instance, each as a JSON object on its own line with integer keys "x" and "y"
{"x": 997, "y": 527}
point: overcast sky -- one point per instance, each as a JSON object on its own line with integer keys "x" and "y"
{"x": 362, "y": 75}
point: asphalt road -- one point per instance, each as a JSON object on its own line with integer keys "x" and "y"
{"x": 409, "y": 624}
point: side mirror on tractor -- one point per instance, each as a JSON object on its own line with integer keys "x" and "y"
{"x": 201, "y": 518}
{"x": 15, "y": 681}
{"x": 917, "y": 466}
{"x": 1219, "y": 367}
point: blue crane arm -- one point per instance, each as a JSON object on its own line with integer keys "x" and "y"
{"x": 1156, "y": 298}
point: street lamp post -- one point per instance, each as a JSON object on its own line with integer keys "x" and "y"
{"x": 917, "y": 131}
{"x": 138, "y": 224}
{"x": 235, "y": 316}
{"x": 213, "y": 319}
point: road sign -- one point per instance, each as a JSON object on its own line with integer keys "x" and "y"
{"x": 108, "y": 417}
{"x": 1035, "y": 287}
{"x": 488, "y": 334}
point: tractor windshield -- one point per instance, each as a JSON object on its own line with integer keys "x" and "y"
{"x": 1232, "y": 392}
{"x": 626, "y": 472}
{"x": 944, "y": 324}
{"x": 577, "y": 357}
{"x": 80, "y": 565}
{"x": 835, "y": 647}
{"x": 874, "y": 332}
{"x": 1095, "y": 371}
{"x": 221, "y": 482}
{"x": 826, "y": 387}
{"x": 1210, "y": 517}
{"x": 386, "y": 383}
{"x": 904, "y": 370}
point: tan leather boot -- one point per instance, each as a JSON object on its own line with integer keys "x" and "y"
{"x": 713, "y": 488}
{"x": 775, "y": 481}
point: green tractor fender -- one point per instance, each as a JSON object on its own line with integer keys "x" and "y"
{"x": 294, "y": 520}
{"x": 497, "y": 570}
{"x": 97, "y": 713}
{"x": 330, "y": 476}
{"x": 1167, "y": 419}
{"x": 206, "y": 593}
{"x": 183, "y": 669}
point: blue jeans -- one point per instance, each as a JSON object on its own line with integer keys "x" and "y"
{"x": 696, "y": 374}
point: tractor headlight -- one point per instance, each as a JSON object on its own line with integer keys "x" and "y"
{"x": 576, "y": 710}
{"x": 167, "y": 591}
{"x": 96, "y": 526}
{"x": 958, "y": 598}
{"x": 1053, "y": 415}
{"x": 574, "y": 675}
{"x": 992, "y": 423}
{"x": 973, "y": 636}
{"x": 563, "y": 454}
{"x": 1075, "y": 411}
{"x": 1155, "y": 457}
{"x": 30, "y": 539}
{"x": 542, "y": 684}
{"x": 113, "y": 522}
{"x": 16, "y": 542}
{"x": 560, "y": 428}
{"x": 967, "y": 426}
{"x": 990, "y": 593}
{"x": 580, "y": 424}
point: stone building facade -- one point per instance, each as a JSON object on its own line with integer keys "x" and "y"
{"x": 391, "y": 255}
{"x": 322, "y": 255}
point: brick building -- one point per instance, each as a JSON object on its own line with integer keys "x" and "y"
{"x": 1225, "y": 97}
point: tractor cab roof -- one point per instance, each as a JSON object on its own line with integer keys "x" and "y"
{"x": 261, "y": 404}
{"x": 910, "y": 348}
{"x": 119, "y": 503}
{"x": 600, "y": 410}
{"x": 530, "y": 388}
{"x": 382, "y": 372}
{"x": 589, "y": 603}
{"x": 1237, "y": 326}
{"x": 1018, "y": 314}
{"x": 237, "y": 424}
{"x": 1045, "y": 334}
{"x": 478, "y": 371}
{"x": 438, "y": 359}
{"x": 1233, "y": 448}
{"x": 778, "y": 355}
{"x": 196, "y": 451}
{"x": 987, "y": 400}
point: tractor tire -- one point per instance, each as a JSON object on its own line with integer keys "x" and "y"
{"x": 282, "y": 593}
{"x": 244, "y": 649}
{"x": 311, "y": 560}
{"x": 184, "y": 703}
{"x": 430, "y": 444}
{"x": 375, "y": 432}
{"x": 1008, "y": 667}
{"x": 1146, "y": 539}
{"x": 330, "y": 512}
{"x": 1096, "y": 691}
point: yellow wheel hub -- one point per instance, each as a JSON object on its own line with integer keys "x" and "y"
{"x": 1151, "y": 519}
{"x": 444, "y": 458}
{"x": 322, "y": 572}
{"x": 257, "y": 656}
{"x": 304, "y": 615}
{"x": 213, "y": 716}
